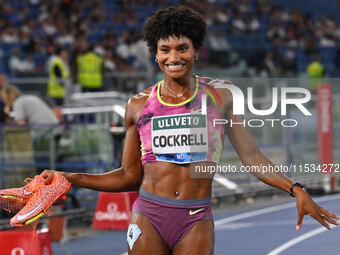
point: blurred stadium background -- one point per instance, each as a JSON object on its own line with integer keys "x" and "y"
{"x": 258, "y": 43}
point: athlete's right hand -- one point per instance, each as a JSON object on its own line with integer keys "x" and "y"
{"x": 48, "y": 176}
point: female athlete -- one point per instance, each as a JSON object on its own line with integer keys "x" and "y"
{"x": 169, "y": 133}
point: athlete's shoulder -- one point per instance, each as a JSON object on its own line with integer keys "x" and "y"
{"x": 136, "y": 104}
{"x": 216, "y": 83}
{"x": 141, "y": 97}
{"x": 222, "y": 88}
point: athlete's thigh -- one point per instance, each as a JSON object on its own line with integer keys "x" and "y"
{"x": 200, "y": 240}
{"x": 149, "y": 241}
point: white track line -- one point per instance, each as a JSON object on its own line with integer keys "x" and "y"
{"x": 269, "y": 210}
{"x": 225, "y": 182}
{"x": 296, "y": 240}
{"x": 253, "y": 213}
{"x": 250, "y": 224}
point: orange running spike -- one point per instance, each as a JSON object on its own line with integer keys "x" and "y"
{"x": 13, "y": 200}
{"x": 43, "y": 198}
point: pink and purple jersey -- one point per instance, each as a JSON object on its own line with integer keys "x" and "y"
{"x": 180, "y": 133}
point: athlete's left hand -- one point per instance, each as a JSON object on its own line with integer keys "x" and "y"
{"x": 305, "y": 205}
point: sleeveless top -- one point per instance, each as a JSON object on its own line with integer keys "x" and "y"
{"x": 181, "y": 133}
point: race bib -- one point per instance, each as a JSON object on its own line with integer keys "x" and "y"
{"x": 181, "y": 138}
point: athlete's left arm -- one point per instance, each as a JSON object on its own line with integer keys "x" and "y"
{"x": 250, "y": 155}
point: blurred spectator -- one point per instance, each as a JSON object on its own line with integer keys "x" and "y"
{"x": 21, "y": 67}
{"x": 222, "y": 15}
{"x": 48, "y": 26}
{"x": 31, "y": 110}
{"x": 14, "y": 62}
{"x": 219, "y": 49}
{"x": 140, "y": 52}
{"x": 123, "y": 47}
{"x": 90, "y": 71}
{"x": 78, "y": 48}
{"x": 238, "y": 23}
{"x": 27, "y": 109}
{"x": 10, "y": 35}
{"x": 58, "y": 74}
{"x": 328, "y": 39}
{"x": 269, "y": 65}
{"x": 254, "y": 24}
{"x": 288, "y": 61}
{"x": 109, "y": 64}
{"x": 65, "y": 37}
{"x": 99, "y": 50}
{"x": 29, "y": 67}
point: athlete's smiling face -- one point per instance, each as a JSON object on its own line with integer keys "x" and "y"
{"x": 176, "y": 56}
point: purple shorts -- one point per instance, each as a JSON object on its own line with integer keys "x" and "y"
{"x": 172, "y": 218}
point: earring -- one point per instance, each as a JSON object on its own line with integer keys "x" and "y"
{"x": 196, "y": 57}
{"x": 156, "y": 60}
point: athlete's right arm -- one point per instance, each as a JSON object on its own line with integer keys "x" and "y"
{"x": 129, "y": 175}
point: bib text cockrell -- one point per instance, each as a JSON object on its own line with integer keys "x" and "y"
{"x": 179, "y": 140}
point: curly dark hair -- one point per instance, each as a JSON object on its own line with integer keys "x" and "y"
{"x": 176, "y": 21}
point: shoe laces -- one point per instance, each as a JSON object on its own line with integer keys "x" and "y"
{"x": 29, "y": 182}
{"x": 36, "y": 195}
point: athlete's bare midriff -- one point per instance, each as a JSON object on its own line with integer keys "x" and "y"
{"x": 174, "y": 181}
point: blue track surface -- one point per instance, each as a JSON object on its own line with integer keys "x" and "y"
{"x": 252, "y": 232}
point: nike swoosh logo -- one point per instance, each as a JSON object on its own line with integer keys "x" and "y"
{"x": 24, "y": 216}
{"x": 26, "y": 193}
{"x": 194, "y": 212}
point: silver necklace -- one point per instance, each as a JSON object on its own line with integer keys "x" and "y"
{"x": 176, "y": 94}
